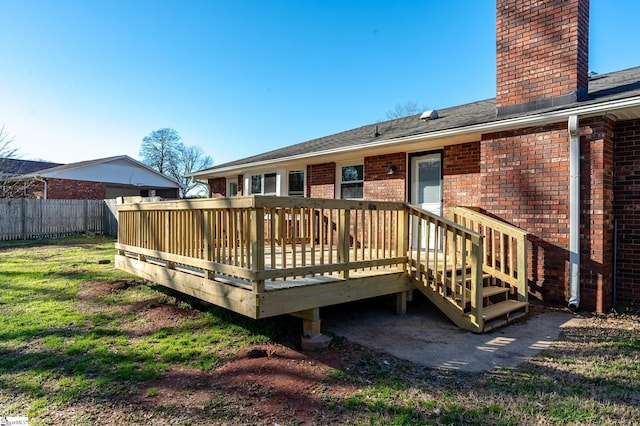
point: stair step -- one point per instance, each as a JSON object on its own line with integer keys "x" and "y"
{"x": 492, "y": 290}
{"x": 484, "y": 277}
{"x": 502, "y": 308}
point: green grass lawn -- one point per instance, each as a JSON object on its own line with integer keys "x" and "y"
{"x": 68, "y": 356}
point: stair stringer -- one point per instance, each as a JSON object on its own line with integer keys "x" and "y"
{"x": 452, "y": 311}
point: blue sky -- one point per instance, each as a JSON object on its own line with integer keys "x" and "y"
{"x": 88, "y": 79}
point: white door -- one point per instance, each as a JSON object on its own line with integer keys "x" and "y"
{"x": 426, "y": 190}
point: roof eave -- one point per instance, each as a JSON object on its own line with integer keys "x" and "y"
{"x": 541, "y": 118}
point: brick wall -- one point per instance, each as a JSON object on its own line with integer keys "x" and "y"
{"x": 321, "y": 180}
{"x": 525, "y": 181}
{"x": 596, "y": 213}
{"x": 67, "y": 189}
{"x": 627, "y": 213}
{"x": 378, "y": 184}
{"x": 541, "y": 49}
{"x": 218, "y": 187}
{"x": 461, "y": 175}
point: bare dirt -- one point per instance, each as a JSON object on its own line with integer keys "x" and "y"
{"x": 261, "y": 384}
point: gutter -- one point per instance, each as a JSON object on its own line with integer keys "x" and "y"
{"x": 574, "y": 213}
{"x": 547, "y": 117}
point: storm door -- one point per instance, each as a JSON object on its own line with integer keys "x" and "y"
{"x": 426, "y": 190}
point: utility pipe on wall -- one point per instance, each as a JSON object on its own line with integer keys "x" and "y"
{"x": 574, "y": 213}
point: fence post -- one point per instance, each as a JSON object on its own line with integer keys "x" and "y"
{"x": 85, "y": 216}
{"x": 23, "y": 219}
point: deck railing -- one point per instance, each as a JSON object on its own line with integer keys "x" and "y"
{"x": 265, "y": 243}
{"x": 255, "y": 239}
{"x": 504, "y": 248}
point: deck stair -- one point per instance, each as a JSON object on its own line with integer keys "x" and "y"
{"x": 449, "y": 279}
{"x": 498, "y": 306}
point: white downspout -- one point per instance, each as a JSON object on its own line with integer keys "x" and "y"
{"x": 574, "y": 213}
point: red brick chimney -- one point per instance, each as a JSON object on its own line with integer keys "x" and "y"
{"x": 542, "y": 53}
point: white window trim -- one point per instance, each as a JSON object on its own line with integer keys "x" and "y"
{"x": 339, "y": 166}
{"x": 304, "y": 182}
{"x": 279, "y": 182}
{"x": 229, "y": 182}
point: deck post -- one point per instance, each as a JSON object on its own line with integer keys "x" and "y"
{"x": 476, "y": 280}
{"x": 344, "y": 236}
{"x": 310, "y": 321}
{"x": 402, "y": 237}
{"x": 522, "y": 269}
{"x": 257, "y": 246}
{"x": 401, "y": 303}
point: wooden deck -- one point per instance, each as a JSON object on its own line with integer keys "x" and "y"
{"x": 266, "y": 256}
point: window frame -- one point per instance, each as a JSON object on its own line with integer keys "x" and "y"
{"x": 231, "y": 181}
{"x": 340, "y": 182}
{"x": 301, "y": 193}
{"x": 263, "y": 178}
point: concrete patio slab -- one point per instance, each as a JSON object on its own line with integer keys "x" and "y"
{"x": 427, "y": 337}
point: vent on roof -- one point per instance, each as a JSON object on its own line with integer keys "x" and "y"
{"x": 432, "y": 114}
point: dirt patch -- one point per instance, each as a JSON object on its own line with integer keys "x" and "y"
{"x": 266, "y": 384}
{"x": 155, "y": 314}
{"x": 93, "y": 289}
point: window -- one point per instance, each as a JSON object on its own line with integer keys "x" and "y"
{"x": 352, "y": 182}
{"x": 263, "y": 184}
{"x": 296, "y": 183}
{"x": 232, "y": 190}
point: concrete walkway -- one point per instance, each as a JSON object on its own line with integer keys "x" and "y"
{"x": 427, "y": 337}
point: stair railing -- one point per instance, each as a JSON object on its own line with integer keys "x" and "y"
{"x": 505, "y": 249}
{"x": 446, "y": 259}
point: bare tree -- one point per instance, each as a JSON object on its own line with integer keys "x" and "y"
{"x": 404, "y": 110}
{"x": 11, "y": 184}
{"x": 191, "y": 159}
{"x": 164, "y": 151}
{"x": 160, "y": 150}
{"x": 6, "y": 142}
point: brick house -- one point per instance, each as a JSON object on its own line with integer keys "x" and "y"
{"x": 556, "y": 153}
{"x": 119, "y": 176}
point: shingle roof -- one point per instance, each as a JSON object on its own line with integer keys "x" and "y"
{"x": 602, "y": 88}
{"x": 12, "y": 166}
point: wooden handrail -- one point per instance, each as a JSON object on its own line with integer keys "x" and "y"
{"x": 505, "y": 248}
{"x": 446, "y": 259}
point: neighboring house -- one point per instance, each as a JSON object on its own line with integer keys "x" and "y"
{"x": 556, "y": 153}
{"x": 119, "y": 176}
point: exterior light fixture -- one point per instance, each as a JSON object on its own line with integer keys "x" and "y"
{"x": 392, "y": 170}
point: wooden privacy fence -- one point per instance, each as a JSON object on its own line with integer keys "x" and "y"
{"x": 25, "y": 218}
